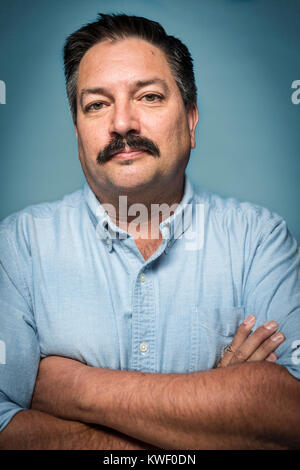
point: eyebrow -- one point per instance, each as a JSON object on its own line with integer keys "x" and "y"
{"x": 153, "y": 81}
{"x": 137, "y": 85}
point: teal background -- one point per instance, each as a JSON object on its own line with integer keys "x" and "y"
{"x": 246, "y": 56}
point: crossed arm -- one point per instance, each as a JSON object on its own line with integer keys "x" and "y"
{"x": 254, "y": 403}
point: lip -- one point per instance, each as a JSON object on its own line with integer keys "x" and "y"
{"x": 127, "y": 155}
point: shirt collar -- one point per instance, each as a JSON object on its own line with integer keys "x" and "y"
{"x": 175, "y": 225}
{"x": 171, "y": 228}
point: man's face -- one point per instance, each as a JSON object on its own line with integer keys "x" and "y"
{"x": 126, "y": 90}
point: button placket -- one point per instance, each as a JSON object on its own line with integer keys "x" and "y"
{"x": 143, "y": 323}
{"x": 143, "y": 345}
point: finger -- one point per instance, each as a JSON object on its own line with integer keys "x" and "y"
{"x": 255, "y": 340}
{"x": 272, "y": 357}
{"x": 241, "y": 335}
{"x": 267, "y": 347}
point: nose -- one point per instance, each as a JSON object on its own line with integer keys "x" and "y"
{"x": 124, "y": 119}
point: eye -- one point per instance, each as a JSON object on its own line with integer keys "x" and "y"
{"x": 94, "y": 106}
{"x": 152, "y": 97}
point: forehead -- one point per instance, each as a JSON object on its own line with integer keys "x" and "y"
{"x": 123, "y": 61}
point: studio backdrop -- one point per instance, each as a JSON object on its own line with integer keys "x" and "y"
{"x": 247, "y": 66}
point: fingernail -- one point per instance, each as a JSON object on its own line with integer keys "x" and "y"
{"x": 249, "y": 321}
{"x": 271, "y": 325}
{"x": 277, "y": 337}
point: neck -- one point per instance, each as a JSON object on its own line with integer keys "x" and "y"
{"x": 140, "y": 211}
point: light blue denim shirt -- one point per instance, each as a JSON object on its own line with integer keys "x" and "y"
{"x": 72, "y": 284}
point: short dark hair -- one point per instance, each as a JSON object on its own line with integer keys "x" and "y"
{"x": 121, "y": 26}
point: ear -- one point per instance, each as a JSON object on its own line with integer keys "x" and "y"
{"x": 78, "y": 141}
{"x": 193, "y": 118}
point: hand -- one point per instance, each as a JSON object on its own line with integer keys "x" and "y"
{"x": 258, "y": 346}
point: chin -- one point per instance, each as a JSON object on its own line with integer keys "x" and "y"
{"x": 129, "y": 178}
{"x": 131, "y": 183}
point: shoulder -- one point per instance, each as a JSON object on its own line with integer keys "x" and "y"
{"x": 40, "y": 211}
{"x": 229, "y": 213}
{"x": 19, "y": 227}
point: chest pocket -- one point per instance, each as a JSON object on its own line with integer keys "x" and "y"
{"x": 212, "y": 330}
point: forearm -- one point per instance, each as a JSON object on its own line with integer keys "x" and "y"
{"x": 253, "y": 405}
{"x": 249, "y": 406}
{"x": 35, "y": 430}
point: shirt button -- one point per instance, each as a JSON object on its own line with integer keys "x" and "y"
{"x": 143, "y": 347}
{"x": 142, "y": 277}
{"x": 168, "y": 244}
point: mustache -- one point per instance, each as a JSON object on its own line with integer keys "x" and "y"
{"x": 118, "y": 143}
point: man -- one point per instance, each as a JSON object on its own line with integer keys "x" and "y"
{"x": 145, "y": 324}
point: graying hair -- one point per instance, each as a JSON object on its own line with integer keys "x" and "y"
{"x": 121, "y": 26}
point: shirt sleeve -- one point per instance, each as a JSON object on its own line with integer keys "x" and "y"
{"x": 19, "y": 348}
{"x": 272, "y": 289}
